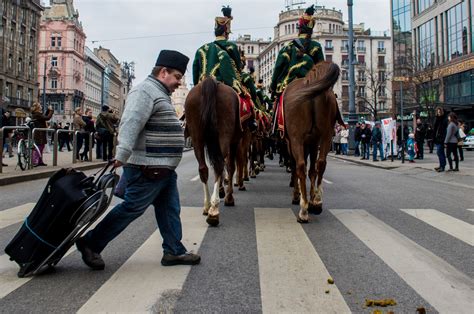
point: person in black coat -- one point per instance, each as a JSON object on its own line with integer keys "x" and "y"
{"x": 440, "y": 128}
{"x": 429, "y": 136}
{"x": 420, "y": 134}
{"x": 89, "y": 128}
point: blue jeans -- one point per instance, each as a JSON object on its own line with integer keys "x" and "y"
{"x": 366, "y": 150}
{"x": 441, "y": 155}
{"x": 344, "y": 148}
{"x": 357, "y": 150}
{"x": 380, "y": 148}
{"x": 140, "y": 193}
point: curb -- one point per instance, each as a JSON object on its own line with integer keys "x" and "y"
{"x": 18, "y": 178}
{"x": 365, "y": 164}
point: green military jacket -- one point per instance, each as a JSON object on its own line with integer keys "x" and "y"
{"x": 291, "y": 63}
{"x": 249, "y": 84}
{"x": 217, "y": 59}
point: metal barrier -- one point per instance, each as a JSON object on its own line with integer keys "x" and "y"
{"x": 2, "y": 130}
{"x": 56, "y": 144}
{"x": 33, "y": 137}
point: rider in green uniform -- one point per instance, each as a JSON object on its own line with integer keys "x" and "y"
{"x": 297, "y": 58}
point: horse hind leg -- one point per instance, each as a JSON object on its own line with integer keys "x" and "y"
{"x": 213, "y": 214}
{"x": 313, "y": 207}
{"x": 317, "y": 201}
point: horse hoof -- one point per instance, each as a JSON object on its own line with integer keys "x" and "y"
{"x": 204, "y": 213}
{"x": 236, "y": 184}
{"x": 295, "y": 202}
{"x": 302, "y": 221}
{"x": 315, "y": 209}
{"x": 257, "y": 171}
{"x": 253, "y": 177}
{"x": 242, "y": 188}
{"x": 221, "y": 194}
{"x": 213, "y": 221}
{"x": 246, "y": 179}
{"x": 231, "y": 203}
{"x": 292, "y": 185}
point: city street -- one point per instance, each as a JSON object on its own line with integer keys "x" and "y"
{"x": 383, "y": 234}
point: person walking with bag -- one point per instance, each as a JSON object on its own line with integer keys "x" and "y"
{"x": 151, "y": 142}
{"x": 440, "y": 127}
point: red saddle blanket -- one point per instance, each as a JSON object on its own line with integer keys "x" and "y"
{"x": 246, "y": 106}
{"x": 280, "y": 117}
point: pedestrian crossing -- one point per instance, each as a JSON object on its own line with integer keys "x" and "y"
{"x": 296, "y": 281}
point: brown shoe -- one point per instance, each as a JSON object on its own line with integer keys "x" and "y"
{"x": 90, "y": 258}
{"x": 187, "y": 258}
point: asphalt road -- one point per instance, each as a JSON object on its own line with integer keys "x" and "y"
{"x": 363, "y": 240}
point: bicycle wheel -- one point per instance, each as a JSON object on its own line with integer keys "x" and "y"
{"x": 23, "y": 156}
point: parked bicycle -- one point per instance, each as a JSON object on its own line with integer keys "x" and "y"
{"x": 25, "y": 148}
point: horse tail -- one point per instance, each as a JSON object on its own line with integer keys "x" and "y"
{"x": 209, "y": 122}
{"x": 319, "y": 86}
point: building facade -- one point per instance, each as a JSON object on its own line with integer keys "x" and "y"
{"x": 252, "y": 48}
{"x": 443, "y": 45}
{"x": 113, "y": 85}
{"x": 20, "y": 23}
{"x": 372, "y": 53}
{"x": 179, "y": 96}
{"x": 94, "y": 76}
{"x": 61, "y": 65}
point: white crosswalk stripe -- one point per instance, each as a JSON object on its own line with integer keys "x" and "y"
{"x": 285, "y": 285}
{"x": 452, "y": 226}
{"x": 15, "y": 215}
{"x": 439, "y": 283}
{"x": 137, "y": 284}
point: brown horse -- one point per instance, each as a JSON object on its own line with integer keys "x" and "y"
{"x": 212, "y": 121}
{"x": 310, "y": 113}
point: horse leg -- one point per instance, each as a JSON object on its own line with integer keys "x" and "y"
{"x": 321, "y": 168}
{"x": 221, "y": 187}
{"x": 229, "y": 197}
{"x": 298, "y": 154}
{"x": 252, "y": 154}
{"x": 312, "y": 178}
{"x": 204, "y": 176}
{"x": 213, "y": 214}
{"x": 247, "y": 140}
{"x": 296, "y": 188}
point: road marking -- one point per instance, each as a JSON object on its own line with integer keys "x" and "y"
{"x": 327, "y": 181}
{"x": 443, "y": 286}
{"x": 195, "y": 178}
{"x": 471, "y": 209}
{"x": 9, "y": 280}
{"x": 15, "y": 215}
{"x": 141, "y": 280}
{"x": 293, "y": 278}
{"x": 452, "y": 226}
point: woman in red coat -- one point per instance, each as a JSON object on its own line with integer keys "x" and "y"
{"x": 40, "y": 138}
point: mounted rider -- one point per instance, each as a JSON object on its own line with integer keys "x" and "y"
{"x": 297, "y": 58}
{"x": 221, "y": 59}
{"x": 262, "y": 97}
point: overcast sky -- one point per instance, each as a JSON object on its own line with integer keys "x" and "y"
{"x": 111, "y": 22}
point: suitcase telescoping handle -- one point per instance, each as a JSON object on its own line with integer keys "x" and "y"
{"x": 110, "y": 164}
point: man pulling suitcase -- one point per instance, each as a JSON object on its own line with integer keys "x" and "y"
{"x": 151, "y": 143}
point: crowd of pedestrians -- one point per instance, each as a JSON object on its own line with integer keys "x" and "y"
{"x": 447, "y": 136}
{"x": 104, "y": 129}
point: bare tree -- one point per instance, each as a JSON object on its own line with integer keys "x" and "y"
{"x": 375, "y": 88}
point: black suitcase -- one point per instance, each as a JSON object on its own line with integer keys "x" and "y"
{"x": 69, "y": 204}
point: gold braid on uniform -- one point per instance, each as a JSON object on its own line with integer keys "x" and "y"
{"x": 282, "y": 86}
{"x": 203, "y": 63}
{"x": 313, "y": 50}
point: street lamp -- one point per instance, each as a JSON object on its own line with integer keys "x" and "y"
{"x": 352, "y": 112}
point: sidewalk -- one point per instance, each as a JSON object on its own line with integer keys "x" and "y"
{"x": 424, "y": 168}
{"x": 13, "y": 174}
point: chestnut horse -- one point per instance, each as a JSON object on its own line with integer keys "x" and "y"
{"x": 311, "y": 111}
{"x": 212, "y": 121}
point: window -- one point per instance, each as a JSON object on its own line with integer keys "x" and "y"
{"x": 382, "y": 91}
{"x": 54, "y": 83}
{"x": 425, "y": 44}
{"x": 54, "y": 61}
{"x": 361, "y": 76}
{"x": 360, "y": 45}
{"x": 328, "y": 45}
{"x": 424, "y": 4}
{"x": 361, "y": 91}
{"x": 22, "y": 37}
{"x": 361, "y": 59}
{"x": 345, "y": 91}
{"x": 30, "y": 69}
{"x": 19, "y": 92}
{"x": 12, "y": 33}
{"x": 53, "y": 41}
{"x": 381, "y": 46}
{"x": 20, "y": 65}
{"x": 345, "y": 60}
{"x": 381, "y": 61}
{"x": 30, "y": 96}
{"x": 345, "y": 45}
{"x": 382, "y": 106}
{"x": 382, "y": 77}
{"x": 457, "y": 30}
{"x": 10, "y": 61}
{"x": 59, "y": 41}
{"x": 345, "y": 76}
